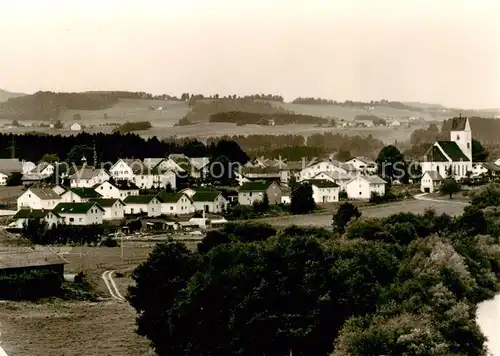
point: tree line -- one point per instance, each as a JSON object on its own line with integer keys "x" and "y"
{"x": 249, "y": 118}
{"x": 351, "y": 103}
{"x": 402, "y": 285}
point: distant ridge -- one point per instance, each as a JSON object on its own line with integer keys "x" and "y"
{"x": 6, "y": 95}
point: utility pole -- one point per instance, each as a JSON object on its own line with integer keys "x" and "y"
{"x": 95, "y": 157}
{"x": 12, "y": 147}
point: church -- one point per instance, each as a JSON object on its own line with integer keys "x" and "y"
{"x": 445, "y": 157}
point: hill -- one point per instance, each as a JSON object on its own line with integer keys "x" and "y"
{"x": 6, "y": 95}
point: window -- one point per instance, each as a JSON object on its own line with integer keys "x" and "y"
{"x": 458, "y": 137}
{"x": 171, "y": 208}
{"x": 468, "y": 144}
{"x": 80, "y": 219}
{"x": 71, "y": 219}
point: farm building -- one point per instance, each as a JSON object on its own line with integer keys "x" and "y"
{"x": 252, "y": 192}
{"x": 431, "y": 180}
{"x": 76, "y": 127}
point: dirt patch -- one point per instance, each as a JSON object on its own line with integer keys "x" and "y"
{"x": 70, "y": 329}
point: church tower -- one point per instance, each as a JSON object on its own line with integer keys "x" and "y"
{"x": 461, "y": 134}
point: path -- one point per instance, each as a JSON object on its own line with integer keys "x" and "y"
{"x": 107, "y": 276}
{"x": 422, "y": 196}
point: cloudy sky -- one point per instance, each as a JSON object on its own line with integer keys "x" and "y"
{"x": 436, "y": 51}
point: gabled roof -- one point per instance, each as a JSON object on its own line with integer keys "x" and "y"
{"x": 453, "y": 151}
{"x": 258, "y": 186}
{"x": 75, "y": 208}
{"x": 206, "y": 195}
{"x": 29, "y": 258}
{"x": 45, "y": 193}
{"x": 139, "y": 199}
{"x": 9, "y": 165}
{"x": 365, "y": 160}
{"x": 292, "y": 166}
{"x": 322, "y": 183}
{"x": 38, "y": 169}
{"x": 434, "y": 154}
{"x": 458, "y": 123}
{"x": 33, "y": 214}
{"x": 87, "y": 173}
{"x": 199, "y": 162}
{"x": 165, "y": 197}
{"x": 491, "y": 166}
{"x": 152, "y": 162}
{"x": 434, "y": 175}
{"x": 106, "y": 202}
{"x": 334, "y": 175}
{"x": 369, "y": 179}
{"x": 86, "y": 192}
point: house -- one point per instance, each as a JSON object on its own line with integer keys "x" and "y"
{"x": 3, "y": 178}
{"x": 362, "y": 187}
{"x": 395, "y": 123}
{"x": 142, "y": 204}
{"x": 316, "y": 167}
{"x": 10, "y": 165}
{"x": 40, "y": 172}
{"x": 188, "y": 191}
{"x": 76, "y": 127}
{"x": 87, "y": 177}
{"x": 175, "y": 203}
{"x": 430, "y": 182}
{"x": 59, "y": 189}
{"x": 24, "y": 215}
{"x": 114, "y": 209}
{"x": 79, "y": 195}
{"x": 120, "y": 189}
{"x": 251, "y": 192}
{"x": 26, "y": 166}
{"x": 286, "y": 195}
{"x": 259, "y": 173}
{"x": 88, "y": 213}
{"x": 363, "y": 164}
{"x": 485, "y": 169}
{"x": 208, "y": 200}
{"x": 497, "y": 162}
{"x": 290, "y": 170}
{"x": 452, "y": 157}
{"x": 324, "y": 191}
{"x": 339, "y": 178}
{"x": 155, "y": 178}
{"x": 124, "y": 169}
{"x": 38, "y": 198}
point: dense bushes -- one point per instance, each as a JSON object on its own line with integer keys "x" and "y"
{"x": 249, "y": 118}
{"x": 132, "y": 126}
{"x": 38, "y": 232}
{"x": 30, "y": 285}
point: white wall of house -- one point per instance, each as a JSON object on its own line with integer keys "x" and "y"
{"x": 342, "y": 180}
{"x": 286, "y": 199}
{"x": 27, "y": 167}
{"x": 71, "y": 197}
{"x": 93, "y": 216}
{"x": 50, "y": 219}
{"x": 459, "y": 169}
{"x": 361, "y": 188}
{"x": 427, "y": 184}
{"x": 478, "y": 169}
{"x": 325, "y": 194}
{"x": 108, "y": 190}
{"x": 249, "y": 198}
{"x": 216, "y": 206}
{"x": 30, "y": 200}
{"x": 154, "y": 208}
{"x": 149, "y": 181}
{"x": 3, "y": 178}
{"x": 361, "y": 165}
{"x": 99, "y": 178}
{"x": 114, "y": 212}
{"x": 182, "y": 206}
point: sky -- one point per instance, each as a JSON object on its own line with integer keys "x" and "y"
{"x": 440, "y": 51}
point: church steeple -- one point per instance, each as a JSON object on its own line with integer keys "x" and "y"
{"x": 461, "y": 134}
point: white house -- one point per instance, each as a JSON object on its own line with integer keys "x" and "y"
{"x": 60, "y": 190}
{"x": 324, "y": 191}
{"x": 453, "y": 156}
{"x": 118, "y": 190}
{"x": 497, "y": 162}
{"x": 27, "y": 166}
{"x": 76, "y": 127}
{"x": 317, "y": 167}
{"x": 431, "y": 180}
{"x": 124, "y": 169}
{"x": 38, "y": 199}
{"x": 40, "y": 172}
{"x": 362, "y": 187}
{"x": 24, "y": 215}
{"x": 155, "y": 179}
{"x": 210, "y": 201}
{"x": 88, "y": 213}
{"x": 143, "y": 204}
{"x": 114, "y": 209}
{"x": 175, "y": 204}
{"x": 79, "y": 195}
{"x": 3, "y": 178}
{"x": 339, "y": 178}
{"x": 88, "y": 177}
{"x": 188, "y": 191}
{"x": 363, "y": 164}
{"x": 252, "y": 192}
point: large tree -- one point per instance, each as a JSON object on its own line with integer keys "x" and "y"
{"x": 479, "y": 153}
{"x": 391, "y": 163}
{"x": 449, "y": 187}
{"x": 302, "y": 201}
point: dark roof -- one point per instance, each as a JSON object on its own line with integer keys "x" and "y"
{"x": 491, "y": 166}
{"x": 257, "y": 170}
{"x": 257, "y": 186}
{"x": 32, "y": 214}
{"x": 45, "y": 193}
{"x": 106, "y": 203}
{"x": 9, "y": 165}
{"x": 434, "y": 154}
{"x": 322, "y": 183}
{"x": 75, "y": 208}
{"x": 458, "y": 123}
{"x": 435, "y": 176}
{"x": 165, "y": 197}
{"x": 124, "y": 184}
{"x": 87, "y": 173}
{"x": 86, "y": 192}
{"x": 206, "y": 195}
{"x": 453, "y": 151}
{"x": 139, "y": 199}
{"x": 28, "y": 258}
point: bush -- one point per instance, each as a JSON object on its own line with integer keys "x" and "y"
{"x": 109, "y": 242}
{"x": 30, "y": 285}
{"x": 133, "y": 126}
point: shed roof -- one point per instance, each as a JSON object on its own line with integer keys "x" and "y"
{"x": 28, "y": 258}
{"x": 139, "y": 199}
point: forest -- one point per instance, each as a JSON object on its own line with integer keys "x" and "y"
{"x": 401, "y": 285}
{"x": 249, "y": 118}
{"x": 350, "y": 103}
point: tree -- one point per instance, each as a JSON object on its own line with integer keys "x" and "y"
{"x": 479, "y": 153}
{"x": 50, "y": 158}
{"x": 77, "y": 117}
{"x": 344, "y": 214}
{"x": 391, "y": 163}
{"x": 302, "y": 201}
{"x": 262, "y": 205}
{"x": 14, "y": 179}
{"x": 343, "y": 155}
{"x": 58, "y": 125}
{"x": 449, "y": 187}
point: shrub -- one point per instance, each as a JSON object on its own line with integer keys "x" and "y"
{"x": 109, "y": 242}
{"x": 30, "y": 285}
